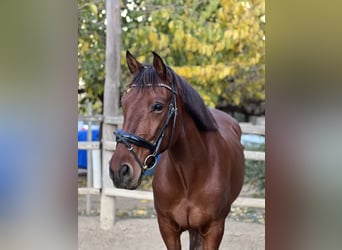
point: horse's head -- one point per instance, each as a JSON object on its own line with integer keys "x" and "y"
{"x": 149, "y": 107}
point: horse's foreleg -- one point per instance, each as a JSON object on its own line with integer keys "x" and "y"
{"x": 170, "y": 233}
{"x": 213, "y": 236}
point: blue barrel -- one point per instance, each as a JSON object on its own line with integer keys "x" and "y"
{"x": 82, "y": 153}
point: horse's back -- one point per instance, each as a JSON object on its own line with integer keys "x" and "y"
{"x": 227, "y": 125}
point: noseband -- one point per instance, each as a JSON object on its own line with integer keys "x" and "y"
{"x": 128, "y": 138}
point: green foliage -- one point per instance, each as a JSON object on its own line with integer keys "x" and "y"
{"x": 255, "y": 171}
{"x": 217, "y": 45}
{"x": 91, "y": 52}
{"x": 255, "y": 176}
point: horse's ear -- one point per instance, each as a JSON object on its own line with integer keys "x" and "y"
{"x": 159, "y": 66}
{"x": 133, "y": 65}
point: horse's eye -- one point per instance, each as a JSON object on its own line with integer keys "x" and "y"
{"x": 157, "y": 107}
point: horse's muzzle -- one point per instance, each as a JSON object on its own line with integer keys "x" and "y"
{"x": 124, "y": 178}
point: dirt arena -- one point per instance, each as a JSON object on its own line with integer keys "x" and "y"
{"x": 143, "y": 234}
{"x": 131, "y": 232}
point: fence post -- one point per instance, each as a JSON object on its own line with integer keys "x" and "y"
{"x": 89, "y": 159}
{"x": 110, "y": 105}
{"x": 96, "y": 155}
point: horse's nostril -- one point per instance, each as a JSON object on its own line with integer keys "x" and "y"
{"x": 124, "y": 171}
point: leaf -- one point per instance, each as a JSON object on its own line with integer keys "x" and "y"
{"x": 93, "y": 8}
{"x": 153, "y": 37}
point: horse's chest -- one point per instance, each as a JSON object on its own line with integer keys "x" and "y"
{"x": 188, "y": 214}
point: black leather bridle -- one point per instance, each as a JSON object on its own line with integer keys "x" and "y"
{"x": 128, "y": 138}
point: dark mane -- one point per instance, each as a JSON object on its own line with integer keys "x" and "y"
{"x": 193, "y": 103}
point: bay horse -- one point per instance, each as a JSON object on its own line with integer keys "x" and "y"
{"x": 201, "y": 169}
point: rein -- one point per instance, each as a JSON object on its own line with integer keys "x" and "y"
{"x": 128, "y": 138}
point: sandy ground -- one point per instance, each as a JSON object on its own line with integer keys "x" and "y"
{"x": 143, "y": 233}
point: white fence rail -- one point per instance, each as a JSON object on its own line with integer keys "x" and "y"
{"x": 147, "y": 195}
{"x": 246, "y": 128}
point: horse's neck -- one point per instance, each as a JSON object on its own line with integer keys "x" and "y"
{"x": 189, "y": 153}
